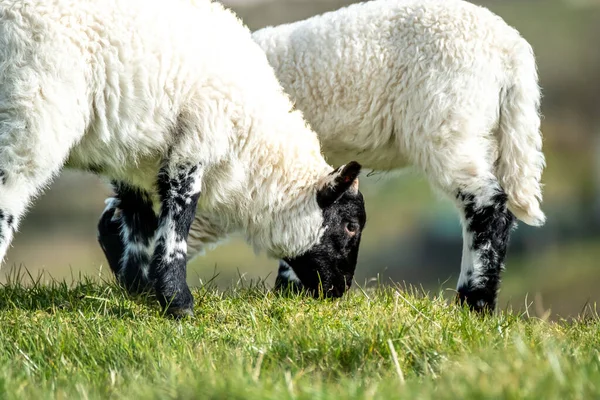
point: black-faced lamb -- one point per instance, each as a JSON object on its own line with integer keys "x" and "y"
{"x": 176, "y": 104}
{"x": 442, "y": 85}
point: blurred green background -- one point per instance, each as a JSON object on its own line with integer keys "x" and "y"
{"x": 412, "y": 235}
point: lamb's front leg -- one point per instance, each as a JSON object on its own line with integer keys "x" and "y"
{"x": 126, "y": 235}
{"x": 179, "y": 190}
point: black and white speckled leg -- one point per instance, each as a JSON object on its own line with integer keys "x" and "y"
{"x": 126, "y": 234}
{"x": 179, "y": 190}
{"x": 486, "y": 229}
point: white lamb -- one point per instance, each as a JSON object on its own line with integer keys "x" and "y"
{"x": 178, "y": 106}
{"x": 443, "y": 85}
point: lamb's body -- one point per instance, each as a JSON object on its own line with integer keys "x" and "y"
{"x": 166, "y": 99}
{"x": 443, "y": 85}
{"x": 398, "y": 82}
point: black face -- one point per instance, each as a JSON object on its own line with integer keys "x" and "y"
{"x": 328, "y": 268}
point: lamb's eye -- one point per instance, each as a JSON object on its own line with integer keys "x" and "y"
{"x": 351, "y": 228}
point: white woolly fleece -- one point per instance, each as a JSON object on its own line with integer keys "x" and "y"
{"x": 117, "y": 86}
{"x": 444, "y": 85}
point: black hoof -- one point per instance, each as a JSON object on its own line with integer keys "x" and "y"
{"x": 480, "y": 300}
{"x": 180, "y": 305}
{"x": 180, "y": 313}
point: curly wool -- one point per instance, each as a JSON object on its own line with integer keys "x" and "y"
{"x": 117, "y": 87}
{"x": 444, "y": 85}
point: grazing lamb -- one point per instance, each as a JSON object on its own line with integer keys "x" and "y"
{"x": 179, "y": 108}
{"x": 443, "y": 85}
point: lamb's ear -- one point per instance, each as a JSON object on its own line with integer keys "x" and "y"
{"x": 343, "y": 179}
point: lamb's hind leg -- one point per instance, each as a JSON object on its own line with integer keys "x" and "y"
{"x": 486, "y": 225}
{"x": 461, "y": 165}
{"x": 126, "y": 234}
{"x": 179, "y": 189}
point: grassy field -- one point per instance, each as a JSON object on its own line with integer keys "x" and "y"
{"x": 89, "y": 340}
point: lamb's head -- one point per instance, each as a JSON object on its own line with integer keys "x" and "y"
{"x": 328, "y": 267}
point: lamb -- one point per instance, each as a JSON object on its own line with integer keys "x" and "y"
{"x": 441, "y": 85}
{"x": 179, "y": 108}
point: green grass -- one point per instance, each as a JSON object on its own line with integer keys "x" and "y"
{"x": 89, "y": 340}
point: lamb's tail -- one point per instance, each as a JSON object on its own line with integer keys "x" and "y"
{"x": 521, "y": 160}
